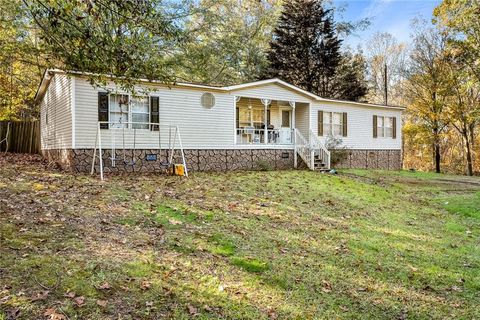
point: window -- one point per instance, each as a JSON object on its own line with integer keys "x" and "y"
{"x": 118, "y": 109}
{"x": 385, "y": 127}
{"x": 123, "y": 108}
{"x": 208, "y": 100}
{"x": 332, "y": 123}
{"x": 140, "y": 112}
{"x": 285, "y": 119}
{"x": 251, "y": 117}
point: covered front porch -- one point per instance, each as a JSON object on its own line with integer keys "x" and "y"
{"x": 265, "y": 121}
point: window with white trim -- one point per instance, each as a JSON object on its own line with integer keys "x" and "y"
{"x": 118, "y": 109}
{"x": 140, "y": 110}
{"x": 332, "y": 123}
{"x": 384, "y": 127}
{"x": 123, "y": 108}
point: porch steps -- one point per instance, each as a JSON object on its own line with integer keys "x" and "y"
{"x": 319, "y": 164}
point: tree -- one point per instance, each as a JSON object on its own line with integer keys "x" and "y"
{"x": 350, "y": 81}
{"x": 20, "y": 62}
{"x": 305, "y": 51}
{"x": 462, "y": 19}
{"x": 427, "y": 85}
{"x": 464, "y": 107}
{"x": 227, "y": 41}
{"x": 385, "y": 59}
{"x": 126, "y": 39}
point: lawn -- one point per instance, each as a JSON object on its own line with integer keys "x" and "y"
{"x": 243, "y": 245}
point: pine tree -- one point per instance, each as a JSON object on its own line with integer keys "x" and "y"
{"x": 305, "y": 51}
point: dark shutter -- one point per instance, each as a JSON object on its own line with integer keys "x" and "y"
{"x": 344, "y": 124}
{"x": 320, "y": 123}
{"x": 154, "y": 113}
{"x": 394, "y": 127}
{"x": 103, "y": 109}
{"x": 375, "y": 126}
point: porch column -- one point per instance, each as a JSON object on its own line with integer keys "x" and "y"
{"x": 265, "y": 102}
{"x": 293, "y": 105}
{"x": 235, "y": 130}
{"x": 294, "y": 136}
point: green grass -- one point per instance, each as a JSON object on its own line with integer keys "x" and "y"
{"x": 465, "y": 204}
{"x": 245, "y": 245}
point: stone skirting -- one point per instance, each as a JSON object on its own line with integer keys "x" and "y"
{"x": 372, "y": 159}
{"x": 80, "y": 160}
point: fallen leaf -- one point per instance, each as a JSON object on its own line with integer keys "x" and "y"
{"x": 174, "y": 222}
{"x": 104, "y": 286}
{"x": 79, "y": 300}
{"x": 192, "y": 310}
{"x": 40, "y": 296}
{"x": 149, "y": 303}
{"x": 145, "y": 285}
{"x": 52, "y": 314}
{"x": 69, "y": 294}
{"x": 327, "y": 287}
{"x": 102, "y": 303}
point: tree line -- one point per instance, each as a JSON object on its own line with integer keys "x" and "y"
{"x": 209, "y": 41}
{"x": 226, "y": 42}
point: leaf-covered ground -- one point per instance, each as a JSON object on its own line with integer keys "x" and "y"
{"x": 245, "y": 245}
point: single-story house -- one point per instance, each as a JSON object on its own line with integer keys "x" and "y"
{"x": 248, "y": 126}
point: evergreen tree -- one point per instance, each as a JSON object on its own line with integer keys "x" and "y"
{"x": 305, "y": 51}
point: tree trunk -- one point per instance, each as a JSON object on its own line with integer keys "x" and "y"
{"x": 469, "y": 160}
{"x": 437, "y": 157}
{"x": 436, "y": 149}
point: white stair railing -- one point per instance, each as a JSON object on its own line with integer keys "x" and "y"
{"x": 308, "y": 149}
{"x": 302, "y": 148}
{"x": 319, "y": 148}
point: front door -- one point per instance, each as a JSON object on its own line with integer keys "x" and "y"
{"x": 285, "y": 134}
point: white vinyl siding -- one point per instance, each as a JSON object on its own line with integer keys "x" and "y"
{"x": 302, "y": 118}
{"x": 56, "y": 114}
{"x": 215, "y": 128}
{"x": 200, "y": 127}
{"x": 272, "y": 92}
{"x": 360, "y": 125}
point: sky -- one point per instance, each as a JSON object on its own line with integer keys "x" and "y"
{"x": 391, "y": 16}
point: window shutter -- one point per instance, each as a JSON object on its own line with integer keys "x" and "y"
{"x": 154, "y": 113}
{"x": 394, "y": 127}
{"x": 320, "y": 123}
{"x": 103, "y": 109}
{"x": 345, "y": 124}
{"x": 375, "y": 127}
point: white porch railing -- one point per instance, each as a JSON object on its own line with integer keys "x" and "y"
{"x": 251, "y": 135}
{"x": 308, "y": 149}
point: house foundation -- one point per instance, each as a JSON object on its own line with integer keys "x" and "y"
{"x": 151, "y": 160}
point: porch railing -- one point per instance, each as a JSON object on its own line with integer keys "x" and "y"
{"x": 251, "y": 135}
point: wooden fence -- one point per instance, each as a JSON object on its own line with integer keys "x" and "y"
{"x": 23, "y": 136}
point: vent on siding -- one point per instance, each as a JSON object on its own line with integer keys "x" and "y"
{"x": 208, "y": 100}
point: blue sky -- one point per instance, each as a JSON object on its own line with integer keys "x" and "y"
{"x": 391, "y": 16}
